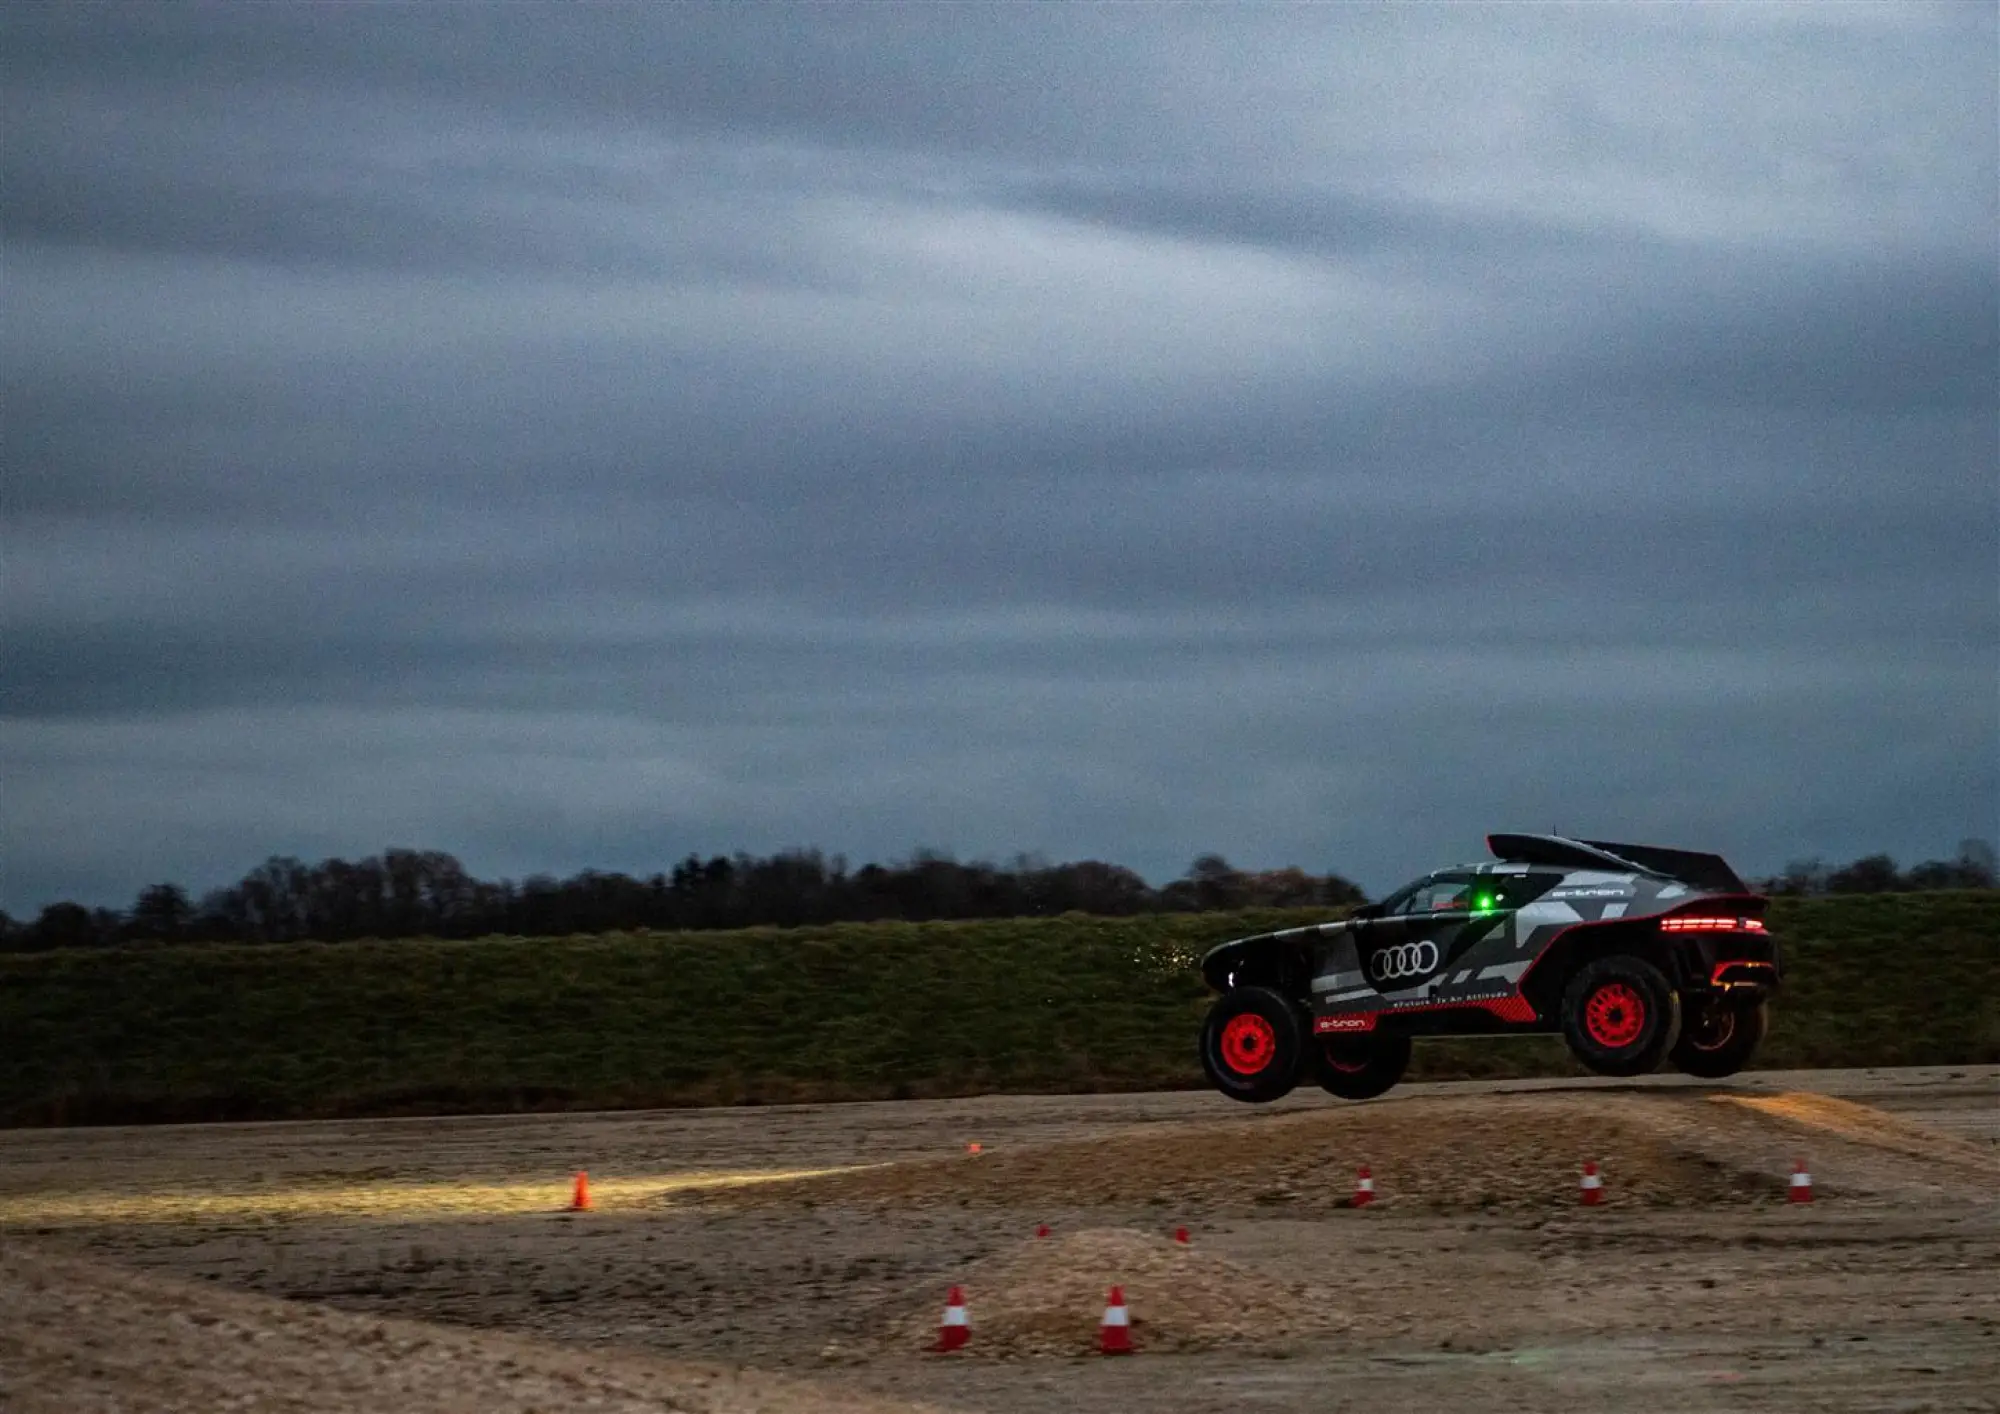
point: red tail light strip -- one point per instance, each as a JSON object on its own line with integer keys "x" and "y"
{"x": 1711, "y": 925}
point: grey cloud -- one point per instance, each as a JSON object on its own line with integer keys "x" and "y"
{"x": 1289, "y": 761}
{"x": 575, "y": 437}
{"x": 430, "y": 231}
{"x": 502, "y": 400}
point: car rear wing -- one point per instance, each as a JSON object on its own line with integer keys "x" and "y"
{"x": 1708, "y": 872}
{"x": 1702, "y": 871}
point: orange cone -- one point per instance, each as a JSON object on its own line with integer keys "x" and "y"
{"x": 1591, "y": 1189}
{"x": 1114, "y": 1337}
{"x": 1042, "y": 1231}
{"x": 579, "y": 1193}
{"x": 1181, "y": 1236}
{"x": 975, "y": 1148}
{"x": 955, "y": 1329}
{"x": 1364, "y": 1187}
{"x": 1800, "y": 1188}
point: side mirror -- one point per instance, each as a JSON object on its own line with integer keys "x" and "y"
{"x": 1367, "y": 910}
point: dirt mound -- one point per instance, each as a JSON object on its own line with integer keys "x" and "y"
{"x": 1505, "y": 1152}
{"x": 1046, "y": 1297}
{"x": 1501, "y": 1151}
{"x": 1871, "y": 1127}
{"x": 78, "y": 1337}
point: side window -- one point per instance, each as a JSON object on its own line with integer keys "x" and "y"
{"x": 1491, "y": 893}
{"x": 1444, "y": 894}
{"x": 1520, "y": 890}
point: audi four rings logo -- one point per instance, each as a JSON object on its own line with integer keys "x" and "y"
{"x": 1405, "y": 960}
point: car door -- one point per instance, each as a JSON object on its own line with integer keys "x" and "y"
{"x": 1421, "y": 935}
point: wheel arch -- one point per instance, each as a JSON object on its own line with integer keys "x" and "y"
{"x": 1280, "y": 961}
{"x": 1583, "y": 943}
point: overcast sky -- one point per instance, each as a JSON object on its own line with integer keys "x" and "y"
{"x": 581, "y": 436}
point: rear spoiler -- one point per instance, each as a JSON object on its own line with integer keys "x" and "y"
{"x": 1709, "y": 872}
{"x": 1702, "y": 871}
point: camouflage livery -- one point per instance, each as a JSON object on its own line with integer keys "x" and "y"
{"x": 1489, "y": 948}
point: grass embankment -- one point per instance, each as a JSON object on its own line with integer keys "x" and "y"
{"x": 850, "y": 1012}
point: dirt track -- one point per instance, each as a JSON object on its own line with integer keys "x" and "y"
{"x": 1476, "y": 1283}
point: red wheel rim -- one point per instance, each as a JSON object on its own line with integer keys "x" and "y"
{"x": 1248, "y": 1043}
{"x": 1340, "y": 1058}
{"x": 1714, "y": 1032}
{"x": 1614, "y": 1015}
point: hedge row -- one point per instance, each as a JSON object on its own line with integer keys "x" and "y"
{"x": 856, "y": 1011}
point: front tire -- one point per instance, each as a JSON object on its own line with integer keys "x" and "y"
{"x": 1718, "y": 1037}
{"x": 1252, "y": 1045}
{"x": 1620, "y": 1015}
{"x": 1362, "y": 1067}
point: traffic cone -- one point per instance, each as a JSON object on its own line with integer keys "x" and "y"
{"x": 1114, "y": 1337}
{"x": 1592, "y": 1187}
{"x": 1181, "y": 1236}
{"x": 954, "y": 1330}
{"x": 975, "y": 1148}
{"x": 1364, "y": 1187}
{"x": 1800, "y": 1190}
{"x": 579, "y": 1193}
{"x": 1042, "y": 1231}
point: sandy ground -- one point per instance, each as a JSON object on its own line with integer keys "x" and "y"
{"x": 814, "y": 1244}
{"x": 79, "y": 1335}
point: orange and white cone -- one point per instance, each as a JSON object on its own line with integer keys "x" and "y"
{"x": 1800, "y": 1189}
{"x": 1364, "y": 1187}
{"x": 1591, "y": 1189}
{"x": 1114, "y": 1337}
{"x": 955, "y": 1329}
{"x": 579, "y": 1193}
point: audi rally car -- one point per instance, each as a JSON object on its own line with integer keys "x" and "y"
{"x": 1635, "y": 954}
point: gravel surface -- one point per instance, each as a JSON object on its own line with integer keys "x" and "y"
{"x": 427, "y": 1264}
{"x": 80, "y": 1336}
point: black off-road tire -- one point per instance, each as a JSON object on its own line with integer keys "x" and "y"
{"x": 1253, "y": 1044}
{"x": 1362, "y": 1067}
{"x": 1620, "y": 1015}
{"x": 1718, "y": 1037}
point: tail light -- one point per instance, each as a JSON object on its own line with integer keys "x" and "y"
{"x": 1698, "y": 924}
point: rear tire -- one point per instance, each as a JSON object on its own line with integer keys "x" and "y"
{"x": 1362, "y": 1067}
{"x": 1620, "y": 1015}
{"x": 1253, "y": 1044}
{"x": 1718, "y": 1037}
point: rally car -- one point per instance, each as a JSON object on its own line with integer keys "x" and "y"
{"x": 1635, "y": 954}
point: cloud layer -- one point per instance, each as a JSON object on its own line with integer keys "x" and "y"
{"x": 1317, "y": 434}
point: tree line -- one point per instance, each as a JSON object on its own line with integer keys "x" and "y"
{"x": 427, "y": 893}
{"x": 419, "y": 893}
{"x": 1877, "y": 874}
